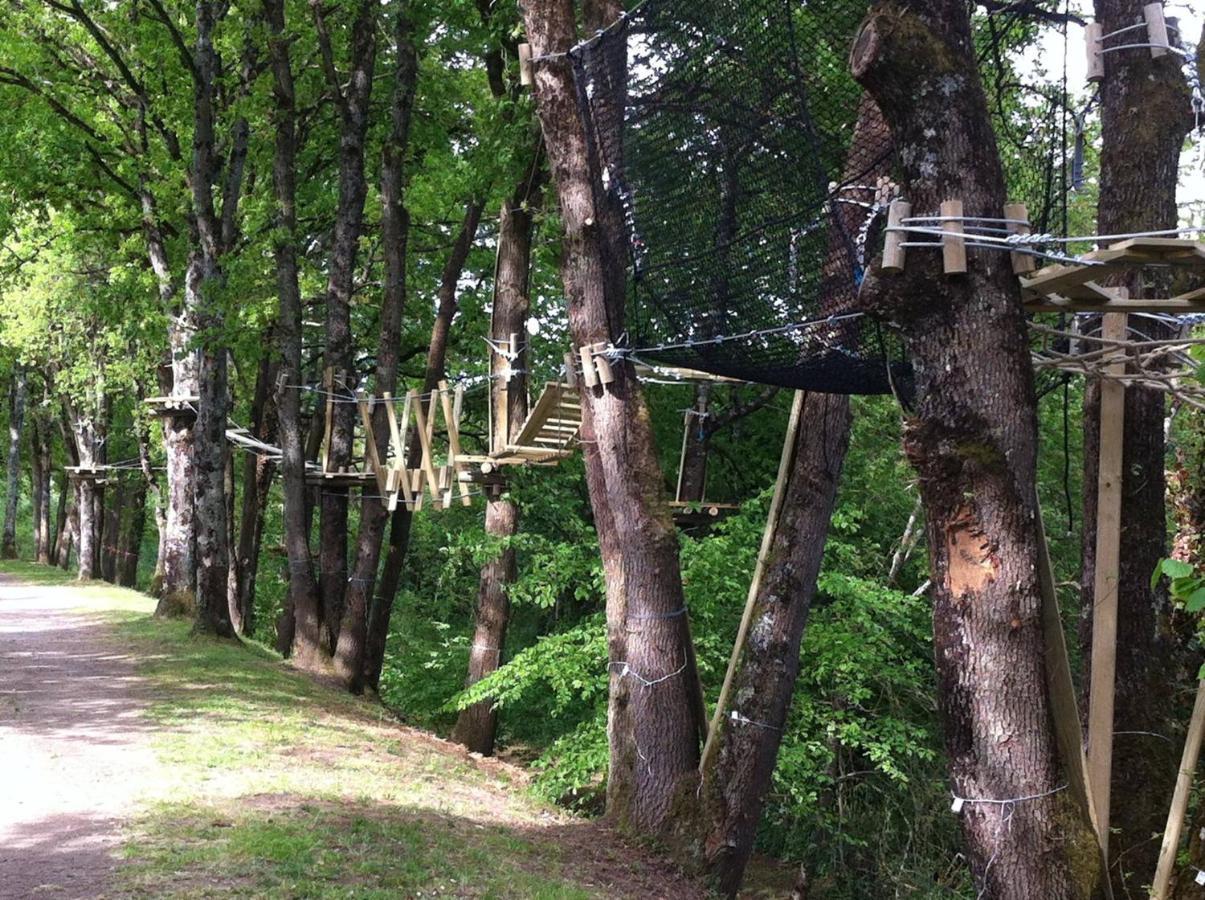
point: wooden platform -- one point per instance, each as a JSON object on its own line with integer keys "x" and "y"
{"x": 1075, "y": 287}
{"x": 173, "y": 405}
{"x": 690, "y": 514}
{"x": 551, "y": 430}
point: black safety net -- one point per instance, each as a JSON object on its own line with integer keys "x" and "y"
{"x": 753, "y": 183}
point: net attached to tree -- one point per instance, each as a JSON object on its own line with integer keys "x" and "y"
{"x": 753, "y": 186}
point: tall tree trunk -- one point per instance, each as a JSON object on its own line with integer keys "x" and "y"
{"x": 477, "y": 725}
{"x": 110, "y": 520}
{"x": 70, "y": 536}
{"x": 40, "y": 463}
{"x": 60, "y": 520}
{"x": 352, "y": 94}
{"x": 258, "y": 470}
{"x": 399, "y": 529}
{"x": 12, "y": 496}
{"x": 655, "y": 714}
{"x": 303, "y": 589}
{"x": 737, "y": 774}
{"x": 177, "y": 593}
{"x": 1139, "y": 172}
{"x": 395, "y": 231}
{"x": 129, "y": 537}
{"x": 972, "y": 437}
{"x": 201, "y": 283}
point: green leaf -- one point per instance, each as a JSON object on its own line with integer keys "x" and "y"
{"x": 1174, "y": 568}
{"x": 1196, "y": 600}
{"x": 1157, "y": 574}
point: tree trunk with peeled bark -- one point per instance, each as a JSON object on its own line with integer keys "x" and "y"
{"x": 477, "y": 725}
{"x": 972, "y": 437}
{"x": 381, "y": 609}
{"x": 305, "y": 642}
{"x": 12, "y": 496}
{"x": 736, "y": 776}
{"x": 395, "y": 231}
{"x": 1139, "y": 165}
{"x": 655, "y": 712}
{"x": 352, "y": 93}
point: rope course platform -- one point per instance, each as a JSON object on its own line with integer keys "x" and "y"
{"x": 173, "y": 405}
{"x": 1074, "y": 286}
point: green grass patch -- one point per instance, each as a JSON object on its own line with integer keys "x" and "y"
{"x": 281, "y": 786}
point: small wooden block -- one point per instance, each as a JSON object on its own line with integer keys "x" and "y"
{"x": 953, "y": 244}
{"x": 603, "y": 365}
{"x": 588, "y": 376}
{"x": 526, "y": 70}
{"x": 1096, "y": 60}
{"x": 893, "y": 249}
{"x": 1156, "y": 29}
{"x": 1023, "y": 263}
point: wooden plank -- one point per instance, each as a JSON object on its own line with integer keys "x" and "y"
{"x": 589, "y": 379}
{"x": 1105, "y": 580}
{"x": 682, "y": 455}
{"x": 784, "y": 468}
{"x": 450, "y": 419}
{"x": 1175, "y": 815}
{"x": 426, "y": 467}
{"x": 1185, "y": 304}
{"x": 953, "y": 244}
{"x": 526, "y": 69}
{"x": 1064, "y": 708}
{"x": 539, "y": 413}
{"x": 395, "y": 433}
{"x": 328, "y": 383}
{"x": 370, "y": 443}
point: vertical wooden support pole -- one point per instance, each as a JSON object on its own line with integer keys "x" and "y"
{"x": 893, "y": 243}
{"x": 1156, "y": 29}
{"x": 784, "y": 471}
{"x": 1064, "y": 708}
{"x": 1175, "y": 815}
{"x": 682, "y": 456}
{"x": 1105, "y": 579}
{"x": 526, "y": 71}
{"x": 1094, "y": 45}
{"x": 328, "y": 384}
{"x": 953, "y": 244}
{"x": 370, "y": 445}
{"x": 452, "y": 419}
{"x": 1023, "y": 263}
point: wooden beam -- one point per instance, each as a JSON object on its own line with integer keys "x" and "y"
{"x": 894, "y": 253}
{"x": 1105, "y": 579}
{"x": 1156, "y": 29}
{"x": 1175, "y": 815}
{"x": 422, "y": 423}
{"x": 328, "y": 382}
{"x": 1188, "y": 303}
{"x": 1023, "y": 263}
{"x": 1064, "y": 708}
{"x": 1093, "y": 33}
{"x": 953, "y": 244}
{"x": 371, "y": 457}
{"x": 784, "y": 470}
{"x": 451, "y": 419}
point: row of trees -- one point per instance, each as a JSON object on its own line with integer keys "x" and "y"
{"x": 247, "y": 206}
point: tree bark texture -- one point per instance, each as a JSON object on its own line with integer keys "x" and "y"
{"x": 1145, "y": 115}
{"x": 305, "y": 641}
{"x": 395, "y": 231}
{"x": 352, "y": 94}
{"x": 654, "y": 714}
{"x": 12, "y": 496}
{"x": 257, "y": 480}
{"x": 972, "y": 437}
{"x": 40, "y": 469}
{"x": 477, "y": 725}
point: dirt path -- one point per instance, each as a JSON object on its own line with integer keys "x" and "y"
{"x": 74, "y": 746}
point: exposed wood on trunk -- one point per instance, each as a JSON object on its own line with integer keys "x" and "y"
{"x": 972, "y": 437}
{"x": 654, "y": 718}
{"x": 12, "y": 483}
{"x": 1139, "y": 167}
{"x": 395, "y": 231}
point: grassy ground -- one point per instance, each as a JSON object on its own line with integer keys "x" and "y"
{"x": 277, "y": 786}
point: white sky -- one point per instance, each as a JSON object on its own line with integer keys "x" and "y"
{"x": 1049, "y": 54}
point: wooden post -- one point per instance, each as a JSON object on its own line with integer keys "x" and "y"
{"x": 427, "y": 468}
{"x": 526, "y": 70}
{"x": 953, "y": 244}
{"x": 742, "y": 632}
{"x": 1096, "y": 59}
{"x": 1105, "y": 579}
{"x": 601, "y": 364}
{"x": 682, "y": 455}
{"x": 893, "y": 249}
{"x": 370, "y": 444}
{"x": 1175, "y": 815}
{"x": 1023, "y": 263}
{"x": 1064, "y": 709}
{"x": 328, "y": 383}
{"x": 1156, "y": 29}
{"x": 451, "y": 418}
